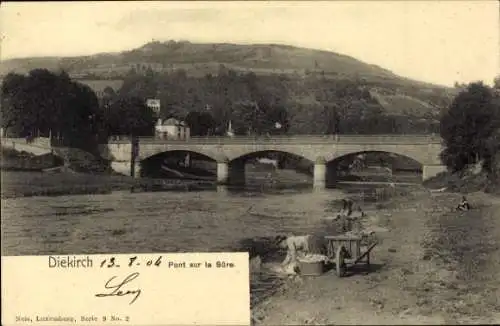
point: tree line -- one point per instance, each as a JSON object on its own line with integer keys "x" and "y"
{"x": 257, "y": 104}
{"x": 44, "y": 103}
{"x": 48, "y": 104}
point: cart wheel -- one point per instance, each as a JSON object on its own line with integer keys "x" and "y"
{"x": 340, "y": 262}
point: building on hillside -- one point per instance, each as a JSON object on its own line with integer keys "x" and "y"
{"x": 142, "y": 68}
{"x": 154, "y": 105}
{"x": 172, "y": 129}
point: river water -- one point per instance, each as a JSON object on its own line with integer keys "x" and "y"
{"x": 125, "y": 222}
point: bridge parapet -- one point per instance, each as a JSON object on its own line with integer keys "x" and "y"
{"x": 296, "y": 139}
{"x": 41, "y": 142}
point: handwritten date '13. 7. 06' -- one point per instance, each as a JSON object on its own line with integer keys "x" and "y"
{"x": 132, "y": 261}
{"x": 119, "y": 288}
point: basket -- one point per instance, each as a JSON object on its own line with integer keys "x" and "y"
{"x": 316, "y": 268}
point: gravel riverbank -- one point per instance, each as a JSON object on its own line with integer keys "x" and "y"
{"x": 432, "y": 266}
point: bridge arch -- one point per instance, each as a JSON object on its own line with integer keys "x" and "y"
{"x": 401, "y": 151}
{"x": 277, "y": 154}
{"x": 275, "y": 159}
{"x": 247, "y": 150}
{"x": 234, "y": 170}
{"x": 178, "y": 163}
{"x": 178, "y": 153}
{"x": 214, "y": 156}
{"x": 373, "y": 165}
{"x": 390, "y": 156}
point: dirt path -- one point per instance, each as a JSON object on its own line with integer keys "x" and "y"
{"x": 431, "y": 267}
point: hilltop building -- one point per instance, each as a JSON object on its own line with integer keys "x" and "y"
{"x": 172, "y": 129}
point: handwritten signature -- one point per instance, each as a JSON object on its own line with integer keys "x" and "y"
{"x": 118, "y": 288}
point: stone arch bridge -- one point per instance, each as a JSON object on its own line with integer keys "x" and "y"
{"x": 229, "y": 152}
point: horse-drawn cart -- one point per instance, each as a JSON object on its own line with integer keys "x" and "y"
{"x": 345, "y": 249}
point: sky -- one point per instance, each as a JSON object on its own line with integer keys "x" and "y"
{"x": 433, "y": 41}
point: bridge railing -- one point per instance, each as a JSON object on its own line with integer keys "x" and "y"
{"x": 292, "y": 139}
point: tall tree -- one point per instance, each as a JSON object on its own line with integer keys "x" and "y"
{"x": 467, "y": 125}
{"x": 248, "y": 118}
{"x": 332, "y": 119}
{"x": 44, "y": 102}
{"x": 15, "y": 118}
{"x": 200, "y": 123}
{"x": 130, "y": 116}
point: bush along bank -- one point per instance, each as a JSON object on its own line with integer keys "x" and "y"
{"x": 13, "y": 160}
{"x": 466, "y": 181}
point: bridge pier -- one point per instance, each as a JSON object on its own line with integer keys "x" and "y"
{"x": 429, "y": 171}
{"x": 222, "y": 172}
{"x": 231, "y": 174}
{"x": 135, "y": 170}
{"x": 319, "y": 180}
{"x": 126, "y": 168}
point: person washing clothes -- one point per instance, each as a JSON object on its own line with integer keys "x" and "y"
{"x": 296, "y": 245}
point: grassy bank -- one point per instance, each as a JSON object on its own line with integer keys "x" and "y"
{"x": 24, "y": 175}
{"x": 465, "y": 182}
{"x": 12, "y": 160}
{"x": 464, "y": 250}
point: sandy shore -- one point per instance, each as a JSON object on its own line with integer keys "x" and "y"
{"x": 432, "y": 266}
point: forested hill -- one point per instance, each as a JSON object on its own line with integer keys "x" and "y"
{"x": 312, "y": 86}
{"x": 200, "y": 59}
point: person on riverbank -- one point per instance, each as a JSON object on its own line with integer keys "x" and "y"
{"x": 464, "y": 205}
{"x": 299, "y": 245}
{"x": 346, "y": 209}
{"x": 349, "y": 218}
